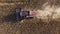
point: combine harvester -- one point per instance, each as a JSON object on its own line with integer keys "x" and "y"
{"x": 21, "y": 14}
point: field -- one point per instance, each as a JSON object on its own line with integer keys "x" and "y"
{"x": 8, "y": 24}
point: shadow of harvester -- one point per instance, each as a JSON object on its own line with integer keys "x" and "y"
{"x": 9, "y": 18}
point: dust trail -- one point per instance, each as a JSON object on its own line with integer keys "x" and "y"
{"x": 48, "y": 10}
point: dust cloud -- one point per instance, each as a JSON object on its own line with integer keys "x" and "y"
{"x": 47, "y": 10}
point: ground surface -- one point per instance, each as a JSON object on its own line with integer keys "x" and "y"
{"x": 30, "y": 26}
{"x": 27, "y": 26}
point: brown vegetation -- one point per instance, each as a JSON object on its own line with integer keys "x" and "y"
{"x": 26, "y": 26}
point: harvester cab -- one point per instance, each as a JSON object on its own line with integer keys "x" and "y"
{"x": 22, "y": 14}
